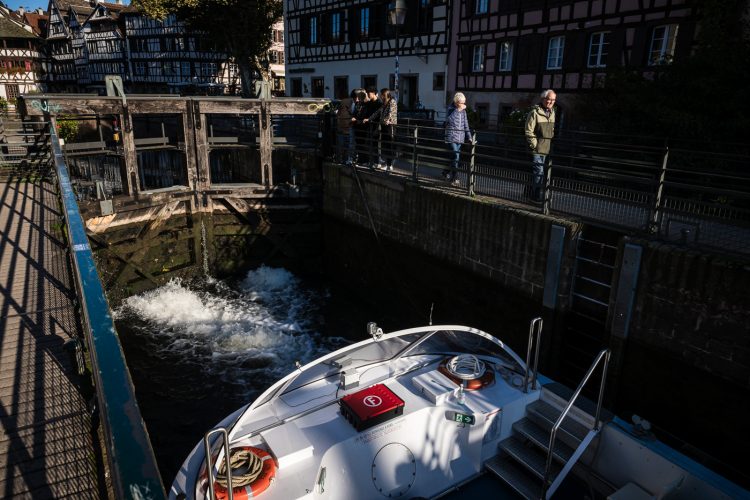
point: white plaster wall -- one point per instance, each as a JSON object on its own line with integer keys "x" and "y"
{"x": 383, "y": 67}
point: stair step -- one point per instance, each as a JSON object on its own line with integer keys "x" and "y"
{"x": 515, "y": 476}
{"x": 545, "y": 415}
{"x": 530, "y": 456}
{"x": 540, "y": 437}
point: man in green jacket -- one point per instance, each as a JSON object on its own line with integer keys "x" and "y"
{"x": 540, "y": 128}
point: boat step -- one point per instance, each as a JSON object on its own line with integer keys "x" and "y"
{"x": 515, "y": 476}
{"x": 540, "y": 437}
{"x": 545, "y": 415}
{"x": 530, "y": 456}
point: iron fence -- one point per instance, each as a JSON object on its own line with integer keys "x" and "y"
{"x": 643, "y": 187}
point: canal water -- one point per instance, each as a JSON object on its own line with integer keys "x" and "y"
{"x": 199, "y": 349}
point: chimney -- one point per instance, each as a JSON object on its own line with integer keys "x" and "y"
{"x": 40, "y": 11}
{"x": 21, "y": 11}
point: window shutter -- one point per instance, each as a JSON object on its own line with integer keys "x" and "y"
{"x": 641, "y": 44}
{"x": 353, "y": 15}
{"x": 305, "y": 31}
{"x": 377, "y": 20}
{"x": 466, "y": 58}
{"x": 616, "y": 44}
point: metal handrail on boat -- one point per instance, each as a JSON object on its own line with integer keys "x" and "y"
{"x": 210, "y": 466}
{"x": 603, "y": 354}
{"x": 535, "y": 331}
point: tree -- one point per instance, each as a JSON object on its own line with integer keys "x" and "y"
{"x": 242, "y": 28}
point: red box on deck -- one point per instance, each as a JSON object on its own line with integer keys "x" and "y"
{"x": 371, "y": 406}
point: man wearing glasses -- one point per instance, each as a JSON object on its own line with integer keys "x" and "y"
{"x": 540, "y": 128}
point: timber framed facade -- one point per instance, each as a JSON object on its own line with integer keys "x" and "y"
{"x": 21, "y": 57}
{"x": 87, "y": 40}
{"x": 508, "y": 51}
{"x": 335, "y": 46}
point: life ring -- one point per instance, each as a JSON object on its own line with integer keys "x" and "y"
{"x": 259, "y": 485}
{"x": 473, "y": 384}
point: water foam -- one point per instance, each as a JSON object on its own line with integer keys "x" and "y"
{"x": 258, "y": 329}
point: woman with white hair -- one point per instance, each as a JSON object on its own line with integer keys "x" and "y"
{"x": 456, "y": 133}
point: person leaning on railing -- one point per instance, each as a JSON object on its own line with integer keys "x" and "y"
{"x": 387, "y": 115}
{"x": 540, "y": 129}
{"x": 456, "y": 133}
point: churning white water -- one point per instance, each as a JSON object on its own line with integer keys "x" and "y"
{"x": 249, "y": 334}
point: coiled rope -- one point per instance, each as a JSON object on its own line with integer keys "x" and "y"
{"x": 246, "y": 467}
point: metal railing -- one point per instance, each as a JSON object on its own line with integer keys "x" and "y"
{"x": 130, "y": 458}
{"x": 535, "y": 338}
{"x": 669, "y": 193}
{"x": 605, "y": 354}
{"x": 210, "y": 466}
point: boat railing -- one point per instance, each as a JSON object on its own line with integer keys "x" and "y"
{"x": 535, "y": 332}
{"x": 210, "y": 467}
{"x": 605, "y": 354}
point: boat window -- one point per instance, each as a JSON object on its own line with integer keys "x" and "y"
{"x": 354, "y": 358}
{"x": 456, "y": 342}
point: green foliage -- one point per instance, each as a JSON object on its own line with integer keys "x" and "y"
{"x": 700, "y": 97}
{"x": 242, "y": 28}
{"x": 67, "y": 128}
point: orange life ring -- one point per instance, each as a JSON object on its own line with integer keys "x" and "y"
{"x": 473, "y": 384}
{"x": 258, "y": 486}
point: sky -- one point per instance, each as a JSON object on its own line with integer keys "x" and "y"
{"x": 34, "y": 4}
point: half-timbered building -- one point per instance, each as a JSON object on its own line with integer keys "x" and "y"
{"x": 21, "y": 59}
{"x": 335, "y": 46}
{"x": 510, "y": 50}
{"x": 89, "y": 39}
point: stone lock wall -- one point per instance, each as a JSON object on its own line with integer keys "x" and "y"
{"x": 506, "y": 245}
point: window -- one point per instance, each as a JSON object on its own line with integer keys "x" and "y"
{"x": 296, "y": 87}
{"x": 505, "y": 56}
{"x": 598, "y": 49}
{"x": 480, "y": 6}
{"x": 185, "y": 69}
{"x": 369, "y": 81}
{"x": 153, "y": 45}
{"x": 483, "y": 114}
{"x": 555, "y": 52}
{"x": 140, "y": 68}
{"x": 318, "y": 87}
{"x": 424, "y": 21}
{"x": 364, "y": 22}
{"x": 313, "y": 30}
{"x": 336, "y": 26}
{"x": 477, "y": 60}
{"x": 663, "y": 41}
{"x": 438, "y": 81}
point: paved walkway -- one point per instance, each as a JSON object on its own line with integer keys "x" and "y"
{"x": 46, "y": 443}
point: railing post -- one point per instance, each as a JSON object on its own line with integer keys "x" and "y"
{"x": 414, "y": 157}
{"x": 546, "y": 189}
{"x": 472, "y": 164}
{"x": 657, "y": 213}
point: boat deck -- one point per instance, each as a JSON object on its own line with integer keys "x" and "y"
{"x": 47, "y": 447}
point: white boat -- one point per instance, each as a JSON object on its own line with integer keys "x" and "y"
{"x": 437, "y": 411}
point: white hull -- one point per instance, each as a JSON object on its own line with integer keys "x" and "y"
{"x": 425, "y": 452}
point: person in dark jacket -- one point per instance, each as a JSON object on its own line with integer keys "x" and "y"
{"x": 359, "y": 136}
{"x": 343, "y": 129}
{"x": 372, "y": 105}
{"x": 387, "y": 115}
{"x": 540, "y": 129}
{"x": 456, "y": 133}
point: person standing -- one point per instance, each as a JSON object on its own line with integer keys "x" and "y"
{"x": 387, "y": 114}
{"x": 456, "y": 133}
{"x": 372, "y": 105}
{"x": 343, "y": 129}
{"x": 540, "y": 129}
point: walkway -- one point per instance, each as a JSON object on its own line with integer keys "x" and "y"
{"x": 47, "y": 448}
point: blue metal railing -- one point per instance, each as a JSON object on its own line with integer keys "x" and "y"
{"x": 130, "y": 457}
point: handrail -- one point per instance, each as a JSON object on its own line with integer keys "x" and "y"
{"x": 130, "y": 456}
{"x": 210, "y": 466}
{"x": 603, "y": 354}
{"x": 534, "y": 331}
